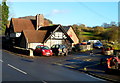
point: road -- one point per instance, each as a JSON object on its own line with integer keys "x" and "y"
{"x": 17, "y": 68}
{"x": 91, "y": 65}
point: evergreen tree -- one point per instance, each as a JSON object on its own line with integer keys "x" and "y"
{"x": 0, "y": 19}
{"x": 5, "y": 12}
{"x": 0, "y": 16}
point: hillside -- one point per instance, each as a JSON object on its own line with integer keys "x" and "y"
{"x": 87, "y": 35}
{"x": 47, "y": 22}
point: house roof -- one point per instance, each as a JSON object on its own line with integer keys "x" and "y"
{"x": 22, "y": 24}
{"x": 33, "y": 18}
{"x": 33, "y": 36}
{"x": 66, "y": 28}
{"x": 49, "y": 28}
{"x": 52, "y": 29}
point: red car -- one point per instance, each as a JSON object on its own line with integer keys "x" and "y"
{"x": 84, "y": 42}
{"x": 43, "y": 50}
{"x": 113, "y": 62}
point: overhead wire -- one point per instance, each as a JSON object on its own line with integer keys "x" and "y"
{"x": 93, "y": 11}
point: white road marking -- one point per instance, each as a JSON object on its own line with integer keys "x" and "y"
{"x": 44, "y": 81}
{"x": 95, "y": 77}
{"x": 17, "y": 69}
{"x": 1, "y": 60}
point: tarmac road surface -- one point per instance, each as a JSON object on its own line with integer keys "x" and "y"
{"x": 17, "y": 68}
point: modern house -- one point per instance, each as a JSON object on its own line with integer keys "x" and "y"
{"x": 28, "y": 33}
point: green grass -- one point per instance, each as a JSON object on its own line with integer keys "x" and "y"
{"x": 116, "y": 46}
{"x": 89, "y": 35}
{"x": 108, "y": 29}
{"x": 0, "y": 32}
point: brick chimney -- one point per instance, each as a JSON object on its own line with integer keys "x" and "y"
{"x": 40, "y": 21}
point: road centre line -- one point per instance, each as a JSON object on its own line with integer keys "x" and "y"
{"x": 69, "y": 66}
{"x": 76, "y": 57}
{"x": 64, "y": 65}
{"x": 85, "y": 69}
{"x": 44, "y": 81}
{"x": 92, "y": 65}
{"x": 17, "y": 69}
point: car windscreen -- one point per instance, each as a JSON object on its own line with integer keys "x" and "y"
{"x": 55, "y": 46}
{"x": 45, "y": 47}
{"x": 38, "y": 47}
{"x": 98, "y": 44}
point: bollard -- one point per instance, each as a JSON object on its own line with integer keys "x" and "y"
{"x": 31, "y": 52}
{"x": 85, "y": 69}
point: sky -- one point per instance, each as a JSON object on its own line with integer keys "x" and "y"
{"x": 68, "y": 13}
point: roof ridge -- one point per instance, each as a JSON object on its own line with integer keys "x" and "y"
{"x": 20, "y": 18}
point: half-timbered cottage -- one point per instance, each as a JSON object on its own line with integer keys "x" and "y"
{"x": 28, "y": 33}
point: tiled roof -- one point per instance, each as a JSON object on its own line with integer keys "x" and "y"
{"x": 53, "y": 28}
{"x": 22, "y": 24}
{"x": 33, "y": 36}
{"x": 46, "y": 22}
{"x": 66, "y": 28}
{"x": 49, "y": 28}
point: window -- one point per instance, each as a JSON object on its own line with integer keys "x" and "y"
{"x": 58, "y": 35}
{"x": 57, "y": 46}
{"x": 38, "y": 47}
{"x": 53, "y": 46}
{"x": 45, "y": 47}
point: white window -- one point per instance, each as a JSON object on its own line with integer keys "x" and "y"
{"x": 59, "y": 35}
{"x": 18, "y": 34}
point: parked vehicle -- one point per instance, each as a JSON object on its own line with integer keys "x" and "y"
{"x": 111, "y": 63}
{"x": 43, "y": 50}
{"x": 59, "y": 49}
{"x": 93, "y": 41}
{"x": 76, "y": 47}
{"x": 107, "y": 50}
{"x": 84, "y": 42}
{"x": 98, "y": 45}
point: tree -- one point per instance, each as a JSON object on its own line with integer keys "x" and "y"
{"x": 0, "y": 16}
{"x": 5, "y": 12}
{"x": 0, "y": 19}
{"x": 98, "y": 30}
{"x": 111, "y": 34}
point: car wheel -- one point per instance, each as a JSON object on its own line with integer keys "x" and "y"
{"x": 34, "y": 53}
{"x": 65, "y": 54}
{"x": 56, "y": 54}
{"x": 116, "y": 65}
{"x": 107, "y": 70}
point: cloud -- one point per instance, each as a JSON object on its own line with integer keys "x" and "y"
{"x": 56, "y": 11}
